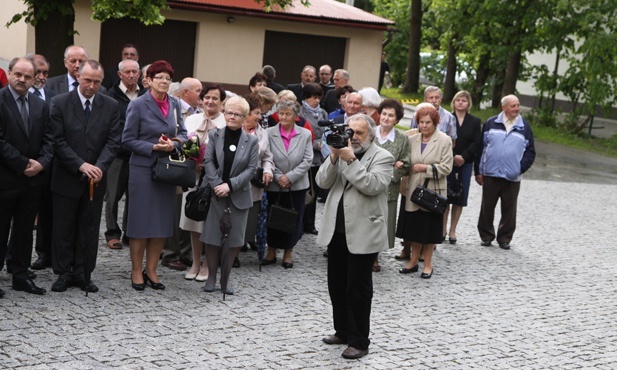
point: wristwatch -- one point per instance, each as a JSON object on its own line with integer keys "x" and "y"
{"x": 351, "y": 160}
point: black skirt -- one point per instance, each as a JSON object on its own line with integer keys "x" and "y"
{"x": 423, "y": 227}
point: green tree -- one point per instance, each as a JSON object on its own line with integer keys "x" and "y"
{"x": 54, "y": 21}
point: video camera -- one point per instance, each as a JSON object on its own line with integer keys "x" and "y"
{"x": 340, "y": 133}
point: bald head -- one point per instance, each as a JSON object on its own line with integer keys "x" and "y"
{"x": 190, "y": 88}
{"x": 74, "y": 56}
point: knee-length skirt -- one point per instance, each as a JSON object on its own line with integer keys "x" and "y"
{"x": 211, "y": 233}
{"x": 152, "y": 205}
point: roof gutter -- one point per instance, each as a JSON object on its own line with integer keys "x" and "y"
{"x": 276, "y": 16}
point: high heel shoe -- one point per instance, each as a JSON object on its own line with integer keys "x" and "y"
{"x": 156, "y": 286}
{"x": 406, "y": 270}
{"x": 424, "y": 275}
{"x": 136, "y": 286}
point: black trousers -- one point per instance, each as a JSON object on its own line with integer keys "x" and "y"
{"x": 350, "y": 284}
{"x": 44, "y": 226}
{"x": 494, "y": 189}
{"x": 18, "y": 206}
{"x": 311, "y": 208}
{"x": 75, "y": 233}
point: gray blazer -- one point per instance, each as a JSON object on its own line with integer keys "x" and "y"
{"x": 144, "y": 125}
{"x": 293, "y": 163}
{"x": 242, "y": 170}
{"x": 363, "y": 186}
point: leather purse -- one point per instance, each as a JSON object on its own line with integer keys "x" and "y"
{"x": 174, "y": 169}
{"x": 428, "y": 199}
{"x": 257, "y": 179}
{"x": 282, "y": 218}
{"x": 198, "y": 203}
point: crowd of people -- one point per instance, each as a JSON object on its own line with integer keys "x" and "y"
{"x": 75, "y": 143}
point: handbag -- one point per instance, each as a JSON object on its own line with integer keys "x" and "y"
{"x": 428, "y": 199}
{"x": 174, "y": 169}
{"x": 257, "y": 179}
{"x": 455, "y": 189}
{"x": 281, "y": 218}
{"x": 198, "y": 203}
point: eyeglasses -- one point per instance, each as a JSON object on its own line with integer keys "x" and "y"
{"x": 162, "y": 78}
{"x": 235, "y": 115}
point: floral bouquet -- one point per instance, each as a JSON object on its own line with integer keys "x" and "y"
{"x": 194, "y": 148}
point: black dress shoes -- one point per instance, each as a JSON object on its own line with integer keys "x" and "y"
{"x": 486, "y": 243}
{"x": 136, "y": 286}
{"x": 405, "y": 270}
{"x": 424, "y": 275}
{"x": 333, "y": 339}
{"x": 236, "y": 263}
{"x": 287, "y": 265}
{"x": 353, "y": 353}
{"x": 266, "y": 262}
{"x": 40, "y": 264}
{"x": 155, "y": 286}
{"x": 504, "y": 245}
{"x": 62, "y": 284}
{"x": 1, "y": 293}
{"x": 90, "y": 287}
{"x": 311, "y": 231}
{"x": 28, "y": 286}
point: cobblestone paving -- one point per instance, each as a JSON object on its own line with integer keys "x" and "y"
{"x": 548, "y": 303}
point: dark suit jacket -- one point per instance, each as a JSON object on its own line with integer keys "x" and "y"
{"x": 297, "y": 90}
{"x": 17, "y": 146}
{"x": 329, "y": 102}
{"x": 60, "y": 84}
{"x": 468, "y": 137}
{"x": 77, "y": 141}
{"x": 275, "y": 86}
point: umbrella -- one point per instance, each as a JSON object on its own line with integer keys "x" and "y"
{"x": 262, "y": 228}
{"x": 88, "y": 234}
{"x": 225, "y": 229}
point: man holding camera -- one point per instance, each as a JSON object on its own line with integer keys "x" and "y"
{"x": 354, "y": 229}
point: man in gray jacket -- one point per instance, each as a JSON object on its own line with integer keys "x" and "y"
{"x": 354, "y": 226}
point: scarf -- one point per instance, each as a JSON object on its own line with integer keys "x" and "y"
{"x": 315, "y": 112}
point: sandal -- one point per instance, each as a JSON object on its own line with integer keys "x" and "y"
{"x": 114, "y": 244}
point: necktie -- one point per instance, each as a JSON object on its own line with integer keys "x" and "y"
{"x": 87, "y": 110}
{"x": 75, "y": 84}
{"x": 24, "y": 113}
{"x": 37, "y": 93}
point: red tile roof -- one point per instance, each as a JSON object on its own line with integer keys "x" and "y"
{"x": 320, "y": 11}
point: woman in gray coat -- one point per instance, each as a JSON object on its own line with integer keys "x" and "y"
{"x": 292, "y": 154}
{"x": 230, "y": 163}
{"x": 313, "y": 113}
{"x": 151, "y": 121}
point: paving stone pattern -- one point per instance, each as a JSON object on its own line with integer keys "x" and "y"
{"x": 548, "y": 303}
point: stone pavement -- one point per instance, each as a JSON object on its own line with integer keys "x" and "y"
{"x": 548, "y": 303}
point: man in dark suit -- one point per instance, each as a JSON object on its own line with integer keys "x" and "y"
{"x": 270, "y": 74}
{"x": 26, "y": 150}
{"x": 325, "y": 76}
{"x": 129, "y": 51}
{"x": 74, "y": 56}
{"x": 44, "y": 219}
{"x": 330, "y": 103}
{"x": 123, "y": 91}
{"x": 86, "y": 129}
{"x": 308, "y": 75}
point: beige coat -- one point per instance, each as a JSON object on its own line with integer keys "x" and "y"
{"x": 438, "y": 152}
{"x": 364, "y": 186}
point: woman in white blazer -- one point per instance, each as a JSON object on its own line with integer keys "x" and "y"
{"x": 431, "y": 150}
{"x": 292, "y": 154}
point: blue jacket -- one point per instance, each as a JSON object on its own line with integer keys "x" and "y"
{"x": 506, "y": 156}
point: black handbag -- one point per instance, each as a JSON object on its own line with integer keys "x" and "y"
{"x": 455, "y": 189}
{"x": 281, "y": 218}
{"x": 198, "y": 203}
{"x": 257, "y": 179}
{"x": 428, "y": 199}
{"x": 174, "y": 169}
